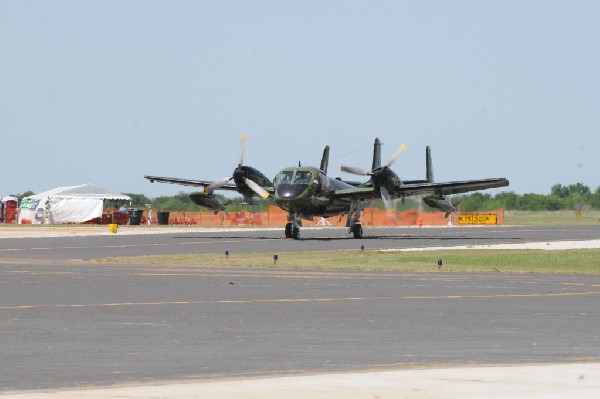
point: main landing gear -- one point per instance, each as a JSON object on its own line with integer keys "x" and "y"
{"x": 353, "y": 222}
{"x": 357, "y": 230}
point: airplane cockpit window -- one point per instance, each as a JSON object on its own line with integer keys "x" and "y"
{"x": 302, "y": 177}
{"x": 285, "y": 177}
{"x": 323, "y": 182}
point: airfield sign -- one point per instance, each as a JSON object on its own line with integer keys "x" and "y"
{"x": 478, "y": 219}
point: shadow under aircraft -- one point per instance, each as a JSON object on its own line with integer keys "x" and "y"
{"x": 306, "y": 192}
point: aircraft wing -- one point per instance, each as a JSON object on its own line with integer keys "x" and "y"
{"x": 423, "y": 187}
{"x": 188, "y": 182}
{"x": 447, "y": 188}
{"x": 359, "y": 193}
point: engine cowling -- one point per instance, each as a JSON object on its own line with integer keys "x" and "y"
{"x": 209, "y": 201}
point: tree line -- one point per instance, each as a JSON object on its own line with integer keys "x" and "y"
{"x": 578, "y": 197}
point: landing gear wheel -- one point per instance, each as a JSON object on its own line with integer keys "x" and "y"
{"x": 357, "y": 230}
{"x": 288, "y": 230}
{"x": 296, "y": 233}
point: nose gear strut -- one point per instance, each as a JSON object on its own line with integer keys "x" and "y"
{"x": 292, "y": 228}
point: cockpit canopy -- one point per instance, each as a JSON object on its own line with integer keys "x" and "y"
{"x": 294, "y": 182}
{"x": 293, "y": 177}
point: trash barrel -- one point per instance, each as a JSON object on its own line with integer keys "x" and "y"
{"x": 162, "y": 217}
{"x": 135, "y": 216}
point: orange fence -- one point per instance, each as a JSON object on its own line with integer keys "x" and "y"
{"x": 275, "y": 217}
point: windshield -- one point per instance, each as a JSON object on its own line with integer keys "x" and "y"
{"x": 294, "y": 177}
{"x": 302, "y": 177}
{"x": 285, "y": 177}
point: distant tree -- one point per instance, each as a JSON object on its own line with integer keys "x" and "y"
{"x": 539, "y": 202}
{"x": 179, "y": 202}
{"x": 138, "y": 200}
{"x": 21, "y": 196}
{"x": 595, "y": 198}
{"x": 559, "y": 191}
{"x": 474, "y": 202}
{"x": 506, "y": 200}
{"x": 580, "y": 189}
{"x": 565, "y": 191}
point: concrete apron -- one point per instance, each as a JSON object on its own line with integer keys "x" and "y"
{"x": 577, "y": 380}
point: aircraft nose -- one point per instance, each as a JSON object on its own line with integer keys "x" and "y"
{"x": 290, "y": 191}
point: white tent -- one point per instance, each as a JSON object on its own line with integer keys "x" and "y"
{"x": 72, "y": 204}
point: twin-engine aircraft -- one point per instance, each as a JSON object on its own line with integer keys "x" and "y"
{"x": 306, "y": 192}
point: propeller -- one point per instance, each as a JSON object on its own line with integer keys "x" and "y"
{"x": 355, "y": 171}
{"x": 395, "y": 155}
{"x": 365, "y": 172}
{"x": 378, "y": 175}
{"x": 387, "y": 200}
{"x": 258, "y": 190}
{"x": 216, "y": 184}
{"x": 242, "y": 151}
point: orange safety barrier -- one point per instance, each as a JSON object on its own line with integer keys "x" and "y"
{"x": 276, "y": 217}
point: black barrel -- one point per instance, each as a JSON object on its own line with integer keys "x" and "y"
{"x": 163, "y": 217}
{"x": 135, "y": 216}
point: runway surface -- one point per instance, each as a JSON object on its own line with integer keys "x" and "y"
{"x": 67, "y": 321}
{"x": 88, "y": 243}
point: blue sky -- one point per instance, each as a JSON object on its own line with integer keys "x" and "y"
{"x": 105, "y": 92}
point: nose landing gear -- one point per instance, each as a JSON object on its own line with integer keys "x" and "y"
{"x": 292, "y": 228}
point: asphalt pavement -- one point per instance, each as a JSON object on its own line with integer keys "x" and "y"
{"x": 70, "y": 323}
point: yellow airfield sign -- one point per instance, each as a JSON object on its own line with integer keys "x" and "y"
{"x": 478, "y": 219}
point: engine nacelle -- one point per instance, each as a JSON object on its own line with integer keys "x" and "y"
{"x": 209, "y": 201}
{"x": 442, "y": 203}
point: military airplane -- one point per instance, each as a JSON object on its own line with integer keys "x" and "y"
{"x": 307, "y": 192}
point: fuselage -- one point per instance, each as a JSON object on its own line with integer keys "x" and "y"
{"x": 308, "y": 191}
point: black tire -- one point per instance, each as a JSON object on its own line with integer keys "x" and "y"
{"x": 357, "y": 230}
{"x": 288, "y": 230}
{"x": 296, "y": 233}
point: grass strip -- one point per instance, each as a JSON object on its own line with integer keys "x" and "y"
{"x": 506, "y": 261}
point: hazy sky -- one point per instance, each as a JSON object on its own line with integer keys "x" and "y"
{"x": 105, "y": 92}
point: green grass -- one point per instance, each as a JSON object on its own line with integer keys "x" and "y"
{"x": 545, "y": 218}
{"x": 505, "y": 261}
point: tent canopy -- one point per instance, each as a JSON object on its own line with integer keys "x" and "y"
{"x": 81, "y": 191}
{"x": 71, "y": 204}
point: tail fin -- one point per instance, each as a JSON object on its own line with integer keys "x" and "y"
{"x": 325, "y": 159}
{"x": 428, "y": 165}
{"x": 376, "y": 154}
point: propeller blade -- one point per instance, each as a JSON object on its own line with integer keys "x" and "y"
{"x": 355, "y": 171}
{"x": 395, "y": 155}
{"x": 455, "y": 205}
{"x": 256, "y": 188}
{"x": 216, "y": 184}
{"x": 242, "y": 151}
{"x": 387, "y": 200}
